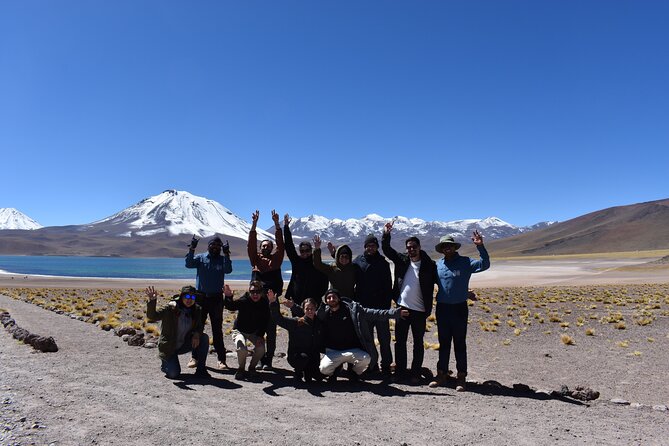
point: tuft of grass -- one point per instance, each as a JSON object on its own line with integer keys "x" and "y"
{"x": 567, "y": 340}
{"x": 620, "y": 325}
{"x": 506, "y": 342}
{"x": 589, "y": 331}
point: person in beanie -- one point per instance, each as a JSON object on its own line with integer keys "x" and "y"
{"x": 306, "y": 282}
{"x": 454, "y": 272}
{"x": 374, "y": 290}
{"x": 266, "y": 265}
{"x": 181, "y": 331}
{"x": 346, "y": 334}
{"x": 209, "y": 281}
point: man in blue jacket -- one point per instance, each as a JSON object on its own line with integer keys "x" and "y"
{"x": 211, "y": 270}
{"x": 453, "y": 273}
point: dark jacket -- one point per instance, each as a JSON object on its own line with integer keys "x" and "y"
{"x": 360, "y": 317}
{"x": 304, "y": 335}
{"x": 169, "y": 315}
{"x": 375, "y": 284}
{"x": 305, "y": 280}
{"x": 341, "y": 277}
{"x": 252, "y": 317}
{"x": 427, "y": 275}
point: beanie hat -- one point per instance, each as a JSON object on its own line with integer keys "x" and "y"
{"x": 371, "y": 239}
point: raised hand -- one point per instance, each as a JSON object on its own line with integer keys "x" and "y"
{"x": 332, "y": 248}
{"x": 388, "y": 227}
{"x": 271, "y": 297}
{"x": 477, "y": 238}
{"x": 317, "y": 241}
{"x": 275, "y": 218}
{"x": 151, "y": 293}
{"x": 404, "y": 313}
{"x": 288, "y": 303}
{"x": 255, "y": 216}
{"x": 286, "y": 220}
{"x": 193, "y": 243}
{"x": 227, "y": 291}
{"x": 226, "y": 248}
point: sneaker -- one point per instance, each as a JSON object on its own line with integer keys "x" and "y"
{"x": 461, "y": 383}
{"x": 240, "y": 374}
{"x": 192, "y": 363}
{"x": 202, "y": 373}
{"x": 440, "y": 380}
{"x": 222, "y": 365}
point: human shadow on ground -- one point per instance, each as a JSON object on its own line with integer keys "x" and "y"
{"x": 186, "y": 380}
{"x": 495, "y": 388}
{"x": 283, "y": 378}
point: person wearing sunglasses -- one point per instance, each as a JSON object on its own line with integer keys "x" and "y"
{"x": 212, "y": 266}
{"x": 181, "y": 331}
{"x": 250, "y": 325}
{"x": 306, "y": 282}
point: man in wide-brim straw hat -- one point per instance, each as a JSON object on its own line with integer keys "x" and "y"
{"x": 453, "y": 273}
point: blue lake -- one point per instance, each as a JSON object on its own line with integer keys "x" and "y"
{"x": 117, "y": 267}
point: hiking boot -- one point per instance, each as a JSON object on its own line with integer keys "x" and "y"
{"x": 192, "y": 363}
{"x": 461, "y": 383}
{"x": 240, "y": 374}
{"x": 440, "y": 380}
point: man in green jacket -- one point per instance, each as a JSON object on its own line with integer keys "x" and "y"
{"x": 181, "y": 331}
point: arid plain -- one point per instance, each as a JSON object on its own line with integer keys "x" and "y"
{"x": 599, "y": 322}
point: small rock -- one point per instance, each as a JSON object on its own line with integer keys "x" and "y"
{"x": 125, "y": 337}
{"x": 45, "y": 344}
{"x": 81, "y": 318}
{"x": 660, "y": 407}
{"x": 35, "y": 426}
{"x": 150, "y": 345}
{"x": 136, "y": 340}
{"x": 636, "y": 405}
{"x": 22, "y": 419}
{"x": 126, "y": 331}
{"x": 620, "y": 401}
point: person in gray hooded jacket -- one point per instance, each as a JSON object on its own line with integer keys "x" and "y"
{"x": 346, "y": 334}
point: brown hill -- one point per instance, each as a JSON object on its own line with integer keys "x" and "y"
{"x": 636, "y": 227}
{"x": 72, "y": 241}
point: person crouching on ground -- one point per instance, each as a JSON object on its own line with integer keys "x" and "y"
{"x": 346, "y": 333}
{"x": 304, "y": 337}
{"x": 181, "y": 331}
{"x": 250, "y": 325}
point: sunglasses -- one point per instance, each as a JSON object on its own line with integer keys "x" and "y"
{"x": 255, "y": 292}
{"x": 189, "y": 296}
{"x": 305, "y": 250}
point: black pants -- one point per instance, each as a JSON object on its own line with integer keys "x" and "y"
{"x": 452, "y": 327}
{"x": 415, "y": 321}
{"x": 212, "y": 305}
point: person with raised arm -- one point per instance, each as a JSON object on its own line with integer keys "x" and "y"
{"x": 252, "y": 317}
{"x": 181, "y": 331}
{"x": 306, "y": 282}
{"x": 343, "y": 274}
{"x": 454, "y": 272}
{"x": 209, "y": 281}
{"x": 413, "y": 289}
{"x": 266, "y": 266}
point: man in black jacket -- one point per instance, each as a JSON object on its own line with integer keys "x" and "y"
{"x": 415, "y": 277}
{"x": 374, "y": 290}
{"x": 250, "y": 325}
{"x": 305, "y": 280}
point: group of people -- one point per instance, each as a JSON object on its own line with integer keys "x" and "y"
{"x": 336, "y": 308}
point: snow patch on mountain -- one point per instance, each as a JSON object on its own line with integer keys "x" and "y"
{"x": 11, "y": 218}
{"x": 178, "y": 213}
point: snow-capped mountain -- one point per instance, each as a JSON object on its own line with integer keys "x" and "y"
{"x": 175, "y": 213}
{"x": 355, "y": 230}
{"x": 11, "y": 218}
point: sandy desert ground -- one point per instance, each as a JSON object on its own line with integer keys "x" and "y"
{"x": 98, "y": 390}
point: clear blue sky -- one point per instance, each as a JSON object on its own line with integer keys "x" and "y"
{"x": 524, "y": 110}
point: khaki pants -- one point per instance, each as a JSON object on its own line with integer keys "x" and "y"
{"x": 240, "y": 339}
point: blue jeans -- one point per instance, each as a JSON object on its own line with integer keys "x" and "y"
{"x": 452, "y": 327}
{"x": 171, "y": 366}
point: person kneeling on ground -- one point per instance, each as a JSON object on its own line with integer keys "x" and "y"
{"x": 303, "y": 337}
{"x": 250, "y": 325}
{"x": 346, "y": 333}
{"x": 181, "y": 331}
